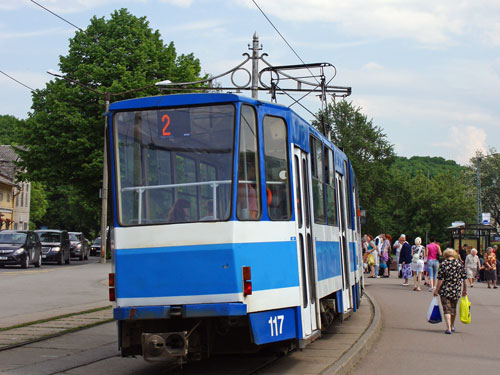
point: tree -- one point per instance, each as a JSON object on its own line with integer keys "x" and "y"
{"x": 490, "y": 181}
{"x": 429, "y": 166}
{"x": 38, "y": 204}
{"x": 9, "y": 126}
{"x": 370, "y": 153}
{"x": 64, "y": 133}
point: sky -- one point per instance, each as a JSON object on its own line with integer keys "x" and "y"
{"x": 427, "y": 72}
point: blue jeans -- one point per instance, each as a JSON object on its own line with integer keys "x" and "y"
{"x": 432, "y": 267}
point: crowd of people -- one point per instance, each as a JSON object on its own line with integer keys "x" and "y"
{"x": 420, "y": 263}
{"x": 446, "y": 273}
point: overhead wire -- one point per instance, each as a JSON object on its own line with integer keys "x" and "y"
{"x": 284, "y": 39}
{"x": 58, "y": 16}
{"x": 323, "y": 100}
{"x": 15, "y": 80}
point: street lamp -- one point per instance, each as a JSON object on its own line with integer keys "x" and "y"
{"x": 478, "y": 181}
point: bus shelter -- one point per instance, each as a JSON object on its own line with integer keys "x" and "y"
{"x": 473, "y": 235}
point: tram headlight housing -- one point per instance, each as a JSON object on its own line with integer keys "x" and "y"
{"x": 247, "y": 281}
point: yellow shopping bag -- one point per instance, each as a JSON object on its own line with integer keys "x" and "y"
{"x": 464, "y": 310}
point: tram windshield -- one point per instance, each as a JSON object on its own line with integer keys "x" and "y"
{"x": 174, "y": 165}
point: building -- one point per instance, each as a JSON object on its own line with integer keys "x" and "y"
{"x": 14, "y": 195}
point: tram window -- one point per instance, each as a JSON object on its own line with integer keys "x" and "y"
{"x": 173, "y": 155}
{"x": 331, "y": 202}
{"x": 298, "y": 191}
{"x": 276, "y": 167}
{"x": 248, "y": 197}
{"x": 348, "y": 196}
{"x": 318, "y": 181}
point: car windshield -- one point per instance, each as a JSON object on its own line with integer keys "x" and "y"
{"x": 74, "y": 237}
{"x": 15, "y": 238}
{"x": 50, "y": 237}
{"x": 97, "y": 241}
{"x": 174, "y": 164}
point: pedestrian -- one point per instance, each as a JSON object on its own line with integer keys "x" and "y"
{"x": 495, "y": 251}
{"x": 405, "y": 259}
{"x": 472, "y": 266}
{"x": 490, "y": 268}
{"x": 373, "y": 258}
{"x": 463, "y": 253}
{"x": 383, "y": 255}
{"x": 388, "y": 259}
{"x": 397, "y": 247}
{"x": 417, "y": 263}
{"x": 451, "y": 284}
{"x": 432, "y": 252}
{"x": 364, "y": 247}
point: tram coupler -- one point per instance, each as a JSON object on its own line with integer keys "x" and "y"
{"x": 165, "y": 346}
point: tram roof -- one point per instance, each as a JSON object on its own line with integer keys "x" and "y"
{"x": 186, "y": 99}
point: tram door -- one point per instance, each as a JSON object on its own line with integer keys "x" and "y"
{"x": 305, "y": 249}
{"x": 344, "y": 242}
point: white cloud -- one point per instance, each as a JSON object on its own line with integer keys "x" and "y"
{"x": 428, "y": 22}
{"x": 30, "y": 34}
{"x": 201, "y": 25}
{"x": 464, "y": 142}
{"x": 178, "y": 3}
{"x": 74, "y": 6}
{"x": 493, "y": 34}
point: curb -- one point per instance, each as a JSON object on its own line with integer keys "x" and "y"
{"x": 346, "y": 363}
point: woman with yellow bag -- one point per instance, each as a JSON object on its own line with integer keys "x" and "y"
{"x": 450, "y": 286}
{"x": 372, "y": 259}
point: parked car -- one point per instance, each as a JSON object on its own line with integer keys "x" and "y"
{"x": 95, "y": 249}
{"x": 79, "y": 245}
{"x": 55, "y": 245}
{"x": 20, "y": 247}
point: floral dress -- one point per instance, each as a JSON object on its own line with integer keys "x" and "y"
{"x": 452, "y": 272}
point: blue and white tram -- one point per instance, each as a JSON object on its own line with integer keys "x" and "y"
{"x": 234, "y": 226}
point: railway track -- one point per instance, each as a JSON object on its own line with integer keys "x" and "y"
{"x": 28, "y": 333}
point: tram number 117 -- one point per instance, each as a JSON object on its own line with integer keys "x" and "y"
{"x": 276, "y": 325}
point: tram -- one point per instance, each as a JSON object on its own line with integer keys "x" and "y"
{"x": 235, "y": 226}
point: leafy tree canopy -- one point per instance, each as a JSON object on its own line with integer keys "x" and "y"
{"x": 429, "y": 166}
{"x": 367, "y": 147}
{"x": 9, "y": 126}
{"x": 489, "y": 168}
{"x": 64, "y": 132}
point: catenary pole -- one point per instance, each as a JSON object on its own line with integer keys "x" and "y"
{"x": 255, "y": 66}
{"x": 104, "y": 208}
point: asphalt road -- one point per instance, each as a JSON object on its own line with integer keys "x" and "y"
{"x": 409, "y": 345}
{"x": 38, "y": 293}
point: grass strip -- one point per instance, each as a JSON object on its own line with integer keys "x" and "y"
{"x": 55, "y": 318}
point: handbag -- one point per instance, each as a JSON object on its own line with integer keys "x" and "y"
{"x": 464, "y": 310}
{"x": 434, "y": 312}
{"x": 371, "y": 260}
{"x": 416, "y": 256}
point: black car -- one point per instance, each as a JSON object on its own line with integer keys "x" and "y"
{"x": 79, "y": 246}
{"x": 55, "y": 245}
{"x": 95, "y": 249}
{"x": 20, "y": 247}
